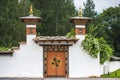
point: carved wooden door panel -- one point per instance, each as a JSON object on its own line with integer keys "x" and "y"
{"x": 51, "y": 71}
{"x": 55, "y": 66}
{"x": 61, "y": 67}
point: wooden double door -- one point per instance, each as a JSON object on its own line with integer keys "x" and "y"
{"x": 55, "y": 64}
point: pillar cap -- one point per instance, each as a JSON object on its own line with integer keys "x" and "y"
{"x": 80, "y": 20}
{"x": 31, "y": 19}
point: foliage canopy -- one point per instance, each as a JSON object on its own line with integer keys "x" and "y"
{"x": 109, "y": 26}
{"x": 97, "y": 45}
{"x": 89, "y": 10}
{"x": 55, "y": 16}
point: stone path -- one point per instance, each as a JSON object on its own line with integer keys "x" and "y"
{"x": 59, "y": 78}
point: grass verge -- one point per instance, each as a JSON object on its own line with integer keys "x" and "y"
{"x": 115, "y": 74}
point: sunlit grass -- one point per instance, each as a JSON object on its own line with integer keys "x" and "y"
{"x": 115, "y": 74}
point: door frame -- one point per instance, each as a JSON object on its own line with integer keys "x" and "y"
{"x": 56, "y": 48}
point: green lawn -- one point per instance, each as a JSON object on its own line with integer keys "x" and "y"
{"x": 115, "y": 74}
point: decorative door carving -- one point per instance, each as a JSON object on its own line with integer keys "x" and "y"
{"x": 55, "y": 64}
{"x": 55, "y": 61}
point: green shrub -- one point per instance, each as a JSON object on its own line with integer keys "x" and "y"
{"x": 105, "y": 50}
{"x": 97, "y": 45}
{"x": 91, "y": 44}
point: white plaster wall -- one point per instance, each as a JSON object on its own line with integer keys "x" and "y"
{"x": 109, "y": 66}
{"x": 101, "y": 69}
{"x": 31, "y": 26}
{"x": 30, "y": 38}
{"x": 25, "y": 62}
{"x": 114, "y": 65}
{"x": 80, "y": 63}
{"x": 80, "y": 26}
{"x": 28, "y": 61}
{"x": 81, "y": 37}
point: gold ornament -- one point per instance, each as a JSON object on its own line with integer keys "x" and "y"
{"x": 80, "y": 12}
{"x": 31, "y": 10}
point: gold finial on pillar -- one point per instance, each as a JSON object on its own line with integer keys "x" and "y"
{"x": 80, "y": 12}
{"x": 31, "y": 11}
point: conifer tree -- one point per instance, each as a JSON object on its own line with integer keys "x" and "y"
{"x": 55, "y": 14}
{"x": 89, "y": 10}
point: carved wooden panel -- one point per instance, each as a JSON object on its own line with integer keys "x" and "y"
{"x": 56, "y": 61}
{"x": 80, "y": 31}
{"x": 30, "y": 30}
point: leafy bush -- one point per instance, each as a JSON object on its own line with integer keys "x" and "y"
{"x": 71, "y": 33}
{"x": 105, "y": 50}
{"x": 91, "y": 44}
{"x": 97, "y": 45}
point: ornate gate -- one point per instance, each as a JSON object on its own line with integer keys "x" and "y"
{"x": 55, "y": 61}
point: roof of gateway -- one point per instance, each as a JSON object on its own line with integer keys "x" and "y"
{"x": 55, "y": 38}
{"x": 113, "y": 58}
{"x": 61, "y": 40}
{"x": 8, "y": 52}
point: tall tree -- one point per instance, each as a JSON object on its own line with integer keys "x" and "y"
{"x": 12, "y": 30}
{"x": 112, "y": 18}
{"x": 55, "y": 14}
{"x": 8, "y": 22}
{"x": 109, "y": 26}
{"x": 89, "y": 10}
